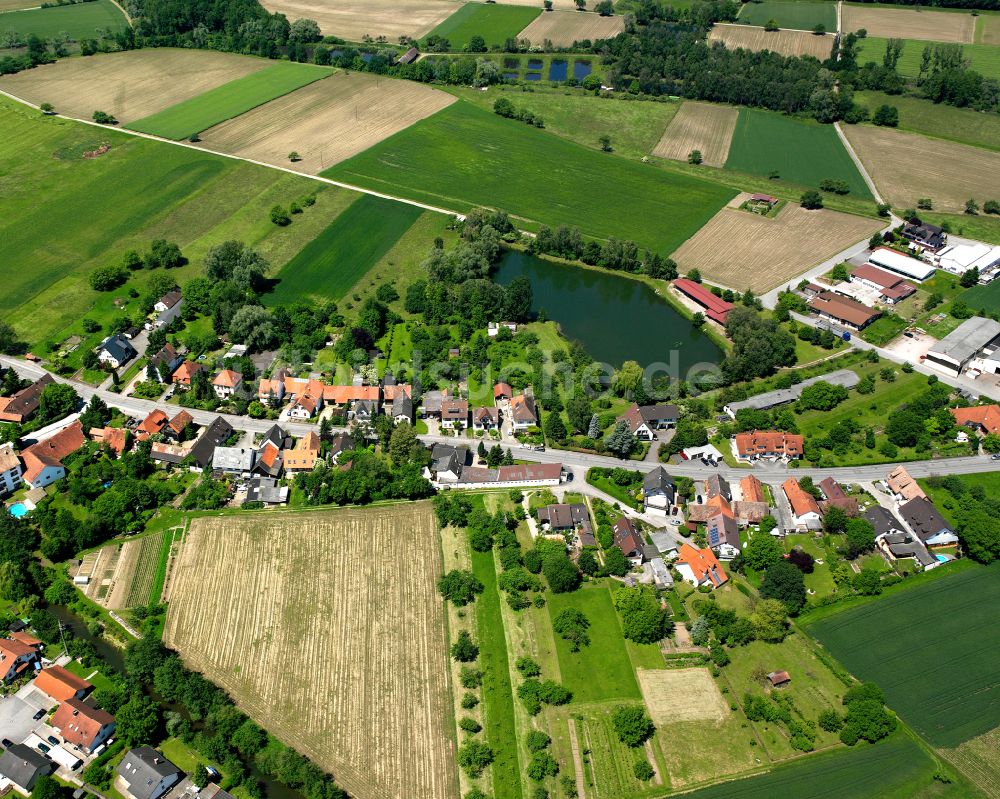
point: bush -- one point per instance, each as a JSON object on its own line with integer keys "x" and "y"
{"x": 830, "y": 720}
{"x": 474, "y": 756}
{"x": 470, "y": 725}
{"x": 527, "y": 667}
{"x": 643, "y": 771}
{"x": 470, "y": 678}
{"x": 542, "y": 765}
{"x": 811, "y": 200}
{"x": 464, "y": 650}
{"x": 459, "y": 587}
{"x": 536, "y": 741}
{"x": 469, "y": 701}
{"x": 632, "y": 724}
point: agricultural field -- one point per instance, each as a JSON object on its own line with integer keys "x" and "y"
{"x": 907, "y": 23}
{"x": 128, "y": 85}
{"x": 382, "y": 669}
{"x": 906, "y": 167}
{"x": 800, "y": 151}
{"x": 563, "y": 28}
{"x": 464, "y": 156}
{"x": 699, "y": 126}
{"x": 988, "y": 29}
{"x": 122, "y": 575}
{"x": 229, "y": 100}
{"x": 80, "y": 21}
{"x": 354, "y": 19}
{"x": 983, "y": 297}
{"x": 803, "y": 15}
{"x": 786, "y": 42}
{"x": 681, "y": 695}
{"x": 495, "y": 23}
{"x": 327, "y": 121}
{"x": 149, "y": 190}
{"x": 743, "y": 250}
{"x": 343, "y": 253}
{"x": 14, "y": 5}
{"x": 938, "y": 120}
{"x": 878, "y": 641}
{"x": 984, "y": 58}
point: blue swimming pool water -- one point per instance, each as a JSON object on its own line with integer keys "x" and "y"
{"x": 18, "y": 509}
{"x": 942, "y": 558}
{"x": 558, "y": 70}
{"x": 581, "y": 69}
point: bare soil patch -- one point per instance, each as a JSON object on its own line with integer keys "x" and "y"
{"x": 673, "y": 695}
{"x": 14, "y": 5}
{"x": 979, "y": 760}
{"x": 908, "y": 23}
{"x": 558, "y": 5}
{"x": 699, "y": 126}
{"x": 786, "y": 42}
{"x": 128, "y": 85}
{"x": 742, "y": 250}
{"x": 326, "y": 627}
{"x": 563, "y": 28}
{"x": 353, "y": 19}
{"x": 327, "y": 121}
{"x": 907, "y": 166}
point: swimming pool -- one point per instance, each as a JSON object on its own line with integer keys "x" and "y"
{"x": 18, "y": 509}
{"x": 942, "y": 558}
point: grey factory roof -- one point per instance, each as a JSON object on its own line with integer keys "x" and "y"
{"x": 967, "y": 339}
{"x": 782, "y": 396}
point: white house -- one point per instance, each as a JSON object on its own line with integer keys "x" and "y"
{"x": 146, "y": 774}
{"x": 10, "y": 470}
{"x": 115, "y": 351}
{"x": 168, "y": 308}
{"x": 226, "y": 383}
{"x": 658, "y": 492}
{"x": 699, "y": 567}
{"x": 805, "y": 509}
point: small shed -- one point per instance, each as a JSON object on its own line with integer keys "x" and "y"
{"x": 779, "y": 679}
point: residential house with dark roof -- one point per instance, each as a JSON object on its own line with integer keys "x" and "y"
{"x": 82, "y": 725}
{"x": 20, "y": 407}
{"x": 162, "y": 365}
{"x": 144, "y": 773}
{"x": 699, "y": 567}
{"x": 930, "y": 237}
{"x": 211, "y": 437}
{"x": 342, "y": 442}
{"x": 115, "y": 351}
{"x": 266, "y": 490}
{"x": 659, "y": 494}
{"x": 883, "y": 520}
{"x": 430, "y": 404}
{"x": 168, "y": 308}
{"x": 924, "y": 521}
{"x": 628, "y": 539}
{"x": 23, "y": 765}
{"x": 571, "y": 518}
{"x": 16, "y": 658}
{"x": 717, "y": 486}
{"x": 402, "y": 408}
{"x": 643, "y": 421}
{"x": 834, "y": 494}
{"x": 523, "y": 413}
{"x": 485, "y": 418}
{"x": 43, "y": 461}
{"x": 447, "y": 461}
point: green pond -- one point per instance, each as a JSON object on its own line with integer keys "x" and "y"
{"x": 615, "y": 318}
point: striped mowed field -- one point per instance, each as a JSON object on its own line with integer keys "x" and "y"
{"x": 705, "y": 127}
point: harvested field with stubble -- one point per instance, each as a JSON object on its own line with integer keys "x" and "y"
{"x": 331, "y": 634}
{"x": 353, "y": 19}
{"x": 563, "y": 28}
{"x": 786, "y": 42}
{"x": 681, "y": 695}
{"x": 907, "y": 166}
{"x": 128, "y": 85}
{"x": 122, "y": 574}
{"x": 327, "y": 121}
{"x": 699, "y": 126}
{"x": 907, "y": 23}
{"x": 979, "y": 760}
{"x": 742, "y": 250}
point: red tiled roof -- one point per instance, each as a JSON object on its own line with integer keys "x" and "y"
{"x": 389, "y": 393}
{"x": 59, "y": 683}
{"x": 184, "y": 372}
{"x": 24, "y": 638}
{"x": 879, "y": 277}
{"x": 843, "y": 309}
{"x": 152, "y": 424}
{"x": 227, "y": 378}
{"x": 78, "y": 723}
{"x": 52, "y": 451}
{"x": 984, "y": 416}
{"x": 753, "y": 489}
{"x": 703, "y": 563}
{"x": 115, "y": 438}
{"x": 801, "y": 501}
{"x": 502, "y": 390}
{"x": 767, "y": 442}
{"x": 522, "y": 409}
{"x": 716, "y": 308}
{"x": 180, "y": 421}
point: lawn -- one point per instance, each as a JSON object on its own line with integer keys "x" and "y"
{"x": 495, "y": 23}
{"x": 606, "y": 655}
{"x": 497, "y": 691}
{"x": 329, "y": 265}
{"x": 464, "y": 156}
{"x": 820, "y": 581}
{"x": 983, "y": 297}
{"x": 884, "y": 329}
{"x": 939, "y": 674}
{"x": 985, "y": 58}
{"x": 90, "y": 673}
{"x": 941, "y": 121}
{"x": 80, "y": 21}
{"x": 229, "y": 100}
{"x": 148, "y": 190}
{"x": 800, "y": 15}
{"x": 946, "y": 503}
{"x": 801, "y": 151}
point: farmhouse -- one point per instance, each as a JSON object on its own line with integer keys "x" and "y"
{"x": 973, "y": 344}
{"x": 699, "y": 567}
{"x": 923, "y": 519}
{"x": 535, "y": 474}
{"x": 902, "y": 486}
{"x": 643, "y": 421}
{"x": 115, "y": 351}
{"x": 658, "y": 492}
{"x": 153, "y": 424}
{"x": 82, "y": 725}
{"x": 10, "y": 470}
{"x": 891, "y": 287}
{"x": 984, "y": 418}
{"x": 226, "y": 383}
{"x": 763, "y": 202}
{"x": 926, "y": 236}
{"x": 960, "y": 258}
{"x": 901, "y": 264}
{"x": 16, "y": 658}
{"x": 168, "y": 308}
{"x": 43, "y": 461}
{"x": 23, "y": 765}
{"x": 146, "y": 774}
{"x": 843, "y": 310}
{"x": 455, "y": 414}
{"x": 303, "y": 456}
{"x": 522, "y": 412}
{"x": 24, "y": 403}
{"x": 61, "y": 684}
{"x": 834, "y": 494}
{"x": 767, "y": 444}
{"x": 783, "y": 396}
{"x": 628, "y": 540}
{"x": 716, "y": 308}
{"x": 114, "y": 438}
{"x": 806, "y": 513}
{"x": 211, "y": 437}
{"x": 185, "y": 374}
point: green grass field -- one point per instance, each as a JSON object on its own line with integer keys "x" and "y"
{"x": 938, "y": 120}
{"x": 341, "y": 255}
{"x": 983, "y": 297}
{"x": 606, "y": 655}
{"x": 946, "y": 503}
{"x": 985, "y": 58}
{"x": 464, "y": 156}
{"x": 932, "y": 651}
{"x": 229, "y": 100}
{"x": 497, "y": 691}
{"x": 801, "y": 15}
{"x": 147, "y": 190}
{"x": 80, "y": 21}
{"x": 495, "y": 23}
{"x": 800, "y": 151}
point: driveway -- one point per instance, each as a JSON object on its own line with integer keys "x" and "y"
{"x": 16, "y": 713}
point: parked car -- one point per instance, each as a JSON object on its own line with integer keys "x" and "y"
{"x": 43, "y": 748}
{"x": 7, "y": 743}
{"x": 995, "y": 457}
{"x": 38, "y": 714}
{"x": 52, "y": 740}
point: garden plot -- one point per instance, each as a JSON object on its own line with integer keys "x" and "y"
{"x": 681, "y": 695}
{"x": 786, "y": 42}
{"x": 906, "y": 167}
{"x": 742, "y": 250}
{"x": 354, "y": 19}
{"x": 699, "y": 126}
{"x": 128, "y": 85}
{"x": 326, "y": 122}
{"x": 327, "y": 628}
{"x": 121, "y": 575}
{"x": 562, "y": 28}
{"x": 907, "y": 23}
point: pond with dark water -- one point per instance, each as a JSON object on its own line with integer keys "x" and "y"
{"x": 581, "y": 69}
{"x": 615, "y": 318}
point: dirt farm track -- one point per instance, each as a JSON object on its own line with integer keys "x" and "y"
{"x": 327, "y": 628}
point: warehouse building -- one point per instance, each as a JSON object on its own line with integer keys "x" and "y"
{"x": 973, "y": 344}
{"x": 884, "y": 258}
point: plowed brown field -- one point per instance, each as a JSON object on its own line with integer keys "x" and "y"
{"x": 786, "y": 42}
{"x": 353, "y": 19}
{"x": 908, "y": 23}
{"x": 699, "y": 126}
{"x": 563, "y": 28}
